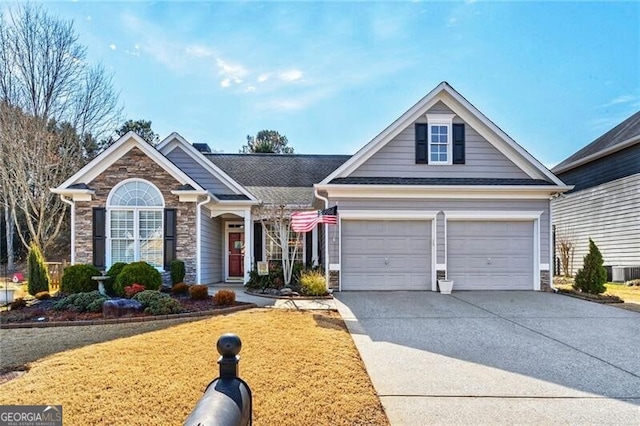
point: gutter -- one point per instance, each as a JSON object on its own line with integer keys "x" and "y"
{"x": 73, "y": 227}
{"x": 326, "y": 236}
{"x": 199, "y": 237}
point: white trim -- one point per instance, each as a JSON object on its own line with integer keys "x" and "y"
{"x": 314, "y": 246}
{"x": 188, "y": 196}
{"x": 174, "y": 140}
{"x": 468, "y": 113}
{"x": 387, "y": 215}
{"x": 552, "y": 260}
{"x": 434, "y": 252}
{"x": 199, "y": 239}
{"x": 446, "y": 244}
{"x": 445, "y": 120}
{"x": 589, "y": 158}
{"x": 227, "y": 230}
{"x": 75, "y": 194}
{"x": 441, "y": 266}
{"x": 73, "y": 227}
{"x": 334, "y": 266}
{"x": 248, "y": 245}
{"x": 533, "y": 216}
{"x": 115, "y": 188}
{"x": 544, "y": 266}
{"x": 442, "y": 191}
{"x": 116, "y": 151}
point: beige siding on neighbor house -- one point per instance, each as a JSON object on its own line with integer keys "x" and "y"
{"x": 609, "y": 214}
{"x": 397, "y": 158}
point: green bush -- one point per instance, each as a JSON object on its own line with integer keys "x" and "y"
{"x": 77, "y": 279}
{"x": 591, "y": 278}
{"x": 37, "y": 271}
{"x": 113, "y": 273}
{"x": 137, "y": 273}
{"x": 177, "y": 271}
{"x": 313, "y": 283}
{"x": 81, "y": 302}
{"x": 157, "y": 303}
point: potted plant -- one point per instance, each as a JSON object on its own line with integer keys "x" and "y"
{"x": 445, "y": 286}
{"x": 6, "y": 294}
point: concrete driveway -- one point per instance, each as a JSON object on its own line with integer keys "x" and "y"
{"x": 497, "y": 357}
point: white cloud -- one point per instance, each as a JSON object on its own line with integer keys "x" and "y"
{"x": 452, "y": 21}
{"x": 199, "y": 51}
{"x": 250, "y": 89}
{"x": 136, "y": 46}
{"x": 622, "y": 99}
{"x": 112, "y": 46}
{"x": 263, "y": 77}
{"x": 291, "y": 75}
{"x": 88, "y": 18}
{"x": 225, "y": 83}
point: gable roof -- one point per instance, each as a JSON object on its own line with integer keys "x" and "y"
{"x": 470, "y": 114}
{"x": 116, "y": 151}
{"x": 277, "y": 170}
{"x": 622, "y": 136}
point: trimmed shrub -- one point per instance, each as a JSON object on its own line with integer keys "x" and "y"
{"x": 157, "y": 303}
{"x": 199, "y": 292}
{"x": 77, "y": 279}
{"x": 591, "y": 278}
{"x": 37, "y": 271}
{"x": 113, "y": 273}
{"x": 133, "y": 289}
{"x": 137, "y": 273}
{"x": 81, "y": 302}
{"x": 224, "y": 297}
{"x": 180, "y": 288}
{"x": 43, "y": 295}
{"x": 312, "y": 283}
{"x": 18, "y": 303}
{"x": 177, "y": 271}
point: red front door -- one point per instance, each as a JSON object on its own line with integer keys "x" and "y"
{"x": 236, "y": 254}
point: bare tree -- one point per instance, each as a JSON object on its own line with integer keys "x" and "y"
{"x": 53, "y": 107}
{"x": 566, "y": 245}
{"x": 276, "y": 217}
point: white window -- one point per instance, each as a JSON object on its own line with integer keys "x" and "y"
{"x": 273, "y": 251}
{"x": 439, "y": 138}
{"x": 135, "y": 223}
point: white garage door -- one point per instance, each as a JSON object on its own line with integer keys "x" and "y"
{"x": 386, "y": 255}
{"x": 490, "y": 255}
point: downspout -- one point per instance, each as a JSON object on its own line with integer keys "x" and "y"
{"x": 199, "y": 237}
{"x": 326, "y": 236}
{"x": 73, "y": 227}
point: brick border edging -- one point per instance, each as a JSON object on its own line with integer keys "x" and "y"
{"x": 271, "y": 296}
{"x": 600, "y": 301}
{"x": 125, "y": 320}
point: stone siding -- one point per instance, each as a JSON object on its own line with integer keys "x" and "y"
{"x": 334, "y": 280}
{"x": 545, "y": 284}
{"x": 135, "y": 164}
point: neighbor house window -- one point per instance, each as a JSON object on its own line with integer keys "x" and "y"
{"x": 439, "y": 137}
{"x": 274, "y": 251}
{"x": 135, "y": 223}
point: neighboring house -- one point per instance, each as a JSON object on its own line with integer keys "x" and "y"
{"x": 604, "y": 204}
{"x": 440, "y": 192}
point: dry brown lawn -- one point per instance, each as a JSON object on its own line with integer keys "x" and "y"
{"x": 302, "y": 367}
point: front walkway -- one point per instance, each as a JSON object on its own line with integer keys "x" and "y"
{"x": 269, "y": 302}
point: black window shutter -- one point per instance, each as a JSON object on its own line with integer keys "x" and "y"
{"x": 257, "y": 242}
{"x": 308, "y": 246}
{"x": 170, "y": 237}
{"x": 422, "y": 144}
{"x": 458, "y": 143}
{"x": 99, "y": 237}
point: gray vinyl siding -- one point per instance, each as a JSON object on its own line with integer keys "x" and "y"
{"x": 440, "y": 205}
{"x": 211, "y": 248}
{"x": 197, "y": 172}
{"x": 398, "y": 159}
{"x": 615, "y": 166}
{"x": 609, "y": 214}
{"x": 440, "y": 231}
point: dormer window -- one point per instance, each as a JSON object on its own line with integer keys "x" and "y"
{"x": 439, "y": 141}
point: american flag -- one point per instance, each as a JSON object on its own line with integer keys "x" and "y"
{"x": 306, "y": 221}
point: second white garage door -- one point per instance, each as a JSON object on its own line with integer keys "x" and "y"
{"x": 490, "y": 255}
{"x": 386, "y": 255}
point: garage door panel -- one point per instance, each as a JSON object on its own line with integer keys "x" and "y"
{"x": 386, "y": 255}
{"x": 490, "y": 255}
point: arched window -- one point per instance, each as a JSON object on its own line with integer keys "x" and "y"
{"x": 135, "y": 231}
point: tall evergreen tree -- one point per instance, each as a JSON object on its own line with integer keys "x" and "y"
{"x": 593, "y": 275}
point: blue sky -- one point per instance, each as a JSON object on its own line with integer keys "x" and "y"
{"x": 332, "y": 75}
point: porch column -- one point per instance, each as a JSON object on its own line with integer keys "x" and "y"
{"x": 248, "y": 245}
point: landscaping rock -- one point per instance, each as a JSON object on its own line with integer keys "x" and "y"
{"x": 294, "y": 293}
{"x": 286, "y": 291}
{"x": 116, "y": 308}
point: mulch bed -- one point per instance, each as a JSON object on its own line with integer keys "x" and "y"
{"x": 598, "y": 298}
{"x": 39, "y": 311}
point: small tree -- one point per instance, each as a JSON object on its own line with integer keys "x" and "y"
{"x": 277, "y": 218}
{"x": 177, "y": 271}
{"x": 37, "y": 270}
{"x": 565, "y": 243}
{"x": 267, "y": 141}
{"x": 593, "y": 275}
